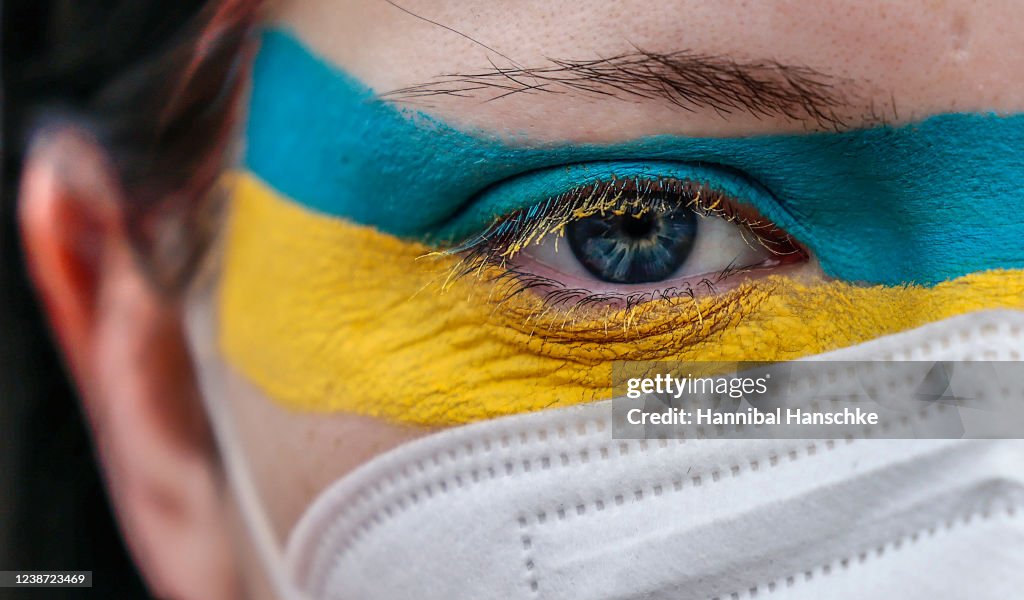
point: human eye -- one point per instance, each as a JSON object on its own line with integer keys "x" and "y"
{"x": 621, "y": 234}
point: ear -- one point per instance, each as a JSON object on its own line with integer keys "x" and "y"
{"x": 125, "y": 348}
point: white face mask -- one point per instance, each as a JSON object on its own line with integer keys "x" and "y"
{"x": 548, "y": 505}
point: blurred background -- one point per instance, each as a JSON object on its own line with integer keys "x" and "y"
{"x": 54, "y": 513}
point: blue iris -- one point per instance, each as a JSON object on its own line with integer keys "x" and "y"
{"x": 633, "y": 248}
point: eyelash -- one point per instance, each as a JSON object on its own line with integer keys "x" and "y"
{"x": 510, "y": 235}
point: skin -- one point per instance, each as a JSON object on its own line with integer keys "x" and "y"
{"x": 125, "y": 344}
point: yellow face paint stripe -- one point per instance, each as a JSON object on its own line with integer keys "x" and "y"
{"x": 326, "y": 315}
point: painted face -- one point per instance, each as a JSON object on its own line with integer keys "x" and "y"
{"x": 531, "y": 268}
{"x": 439, "y": 230}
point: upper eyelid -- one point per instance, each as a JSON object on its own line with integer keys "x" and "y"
{"x": 524, "y": 192}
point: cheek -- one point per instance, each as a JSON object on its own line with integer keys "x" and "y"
{"x": 293, "y": 456}
{"x": 325, "y": 316}
{"x": 329, "y": 316}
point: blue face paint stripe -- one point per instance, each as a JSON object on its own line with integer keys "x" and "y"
{"x": 920, "y": 203}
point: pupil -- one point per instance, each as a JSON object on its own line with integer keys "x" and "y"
{"x": 633, "y": 248}
{"x": 640, "y": 227}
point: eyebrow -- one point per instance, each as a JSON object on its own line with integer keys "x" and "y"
{"x": 685, "y": 79}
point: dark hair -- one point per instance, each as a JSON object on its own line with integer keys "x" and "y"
{"x": 156, "y": 83}
{"x": 166, "y": 124}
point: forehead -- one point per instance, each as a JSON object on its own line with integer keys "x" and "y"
{"x": 903, "y": 61}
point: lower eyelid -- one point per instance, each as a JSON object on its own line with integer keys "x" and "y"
{"x": 644, "y": 330}
{"x": 566, "y": 292}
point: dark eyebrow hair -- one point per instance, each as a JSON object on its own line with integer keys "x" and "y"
{"x": 686, "y": 79}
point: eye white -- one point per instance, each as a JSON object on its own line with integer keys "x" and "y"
{"x": 717, "y": 246}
